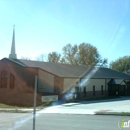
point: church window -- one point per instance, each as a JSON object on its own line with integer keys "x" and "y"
{"x": 3, "y": 79}
{"x": 12, "y": 81}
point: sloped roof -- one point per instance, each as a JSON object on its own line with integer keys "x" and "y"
{"x": 73, "y": 71}
{"x": 66, "y": 70}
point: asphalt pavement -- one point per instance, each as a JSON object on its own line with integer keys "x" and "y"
{"x": 70, "y": 116}
{"x": 20, "y": 121}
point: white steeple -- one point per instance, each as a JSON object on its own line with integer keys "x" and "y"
{"x": 12, "y": 55}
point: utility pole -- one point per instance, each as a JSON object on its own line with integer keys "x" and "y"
{"x": 34, "y": 108}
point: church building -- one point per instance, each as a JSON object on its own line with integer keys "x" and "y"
{"x": 17, "y": 79}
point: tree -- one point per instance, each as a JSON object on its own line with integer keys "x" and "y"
{"x": 41, "y": 57}
{"x": 62, "y": 61}
{"x": 25, "y": 58}
{"x": 84, "y": 54}
{"x": 70, "y": 54}
{"x": 54, "y": 57}
{"x": 122, "y": 64}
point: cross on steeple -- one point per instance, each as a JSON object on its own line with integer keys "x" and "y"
{"x": 12, "y": 55}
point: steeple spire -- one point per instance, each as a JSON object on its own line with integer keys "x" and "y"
{"x": 12, "y": 55}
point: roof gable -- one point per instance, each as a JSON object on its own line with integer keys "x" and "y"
{"x": 115, "y": 81}
{"x": 12, "y": 60}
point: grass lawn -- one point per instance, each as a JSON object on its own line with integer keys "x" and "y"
{"x": 114, "y": 113}
{"x": 18, "y": 107}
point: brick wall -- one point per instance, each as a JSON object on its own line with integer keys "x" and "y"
{"x": 22, "y": 93}
{"x": 58, "y": 85}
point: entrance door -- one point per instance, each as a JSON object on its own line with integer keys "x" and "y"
{"x": 122, "y": 90}
{"x": 113, "y": 90}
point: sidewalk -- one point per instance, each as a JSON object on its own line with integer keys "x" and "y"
{"x": 92, "y": 107}
{"x": 109, "y": 106}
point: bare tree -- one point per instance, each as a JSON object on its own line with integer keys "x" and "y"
{"x": 41, "y": 57}
{"x": 25, "y": 58}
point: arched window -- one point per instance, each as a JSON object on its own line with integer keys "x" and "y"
{"x": 3, "y": 79}
{"x": 12, "y": 81}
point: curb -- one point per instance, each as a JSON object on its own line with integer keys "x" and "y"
{"x": 17, "y": 110}
{"x": 114, "y": 113}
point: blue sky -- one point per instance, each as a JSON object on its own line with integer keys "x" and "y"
{"x": 44, "y": 26}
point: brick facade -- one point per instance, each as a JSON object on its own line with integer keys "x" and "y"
{"x": 22, "y": 91}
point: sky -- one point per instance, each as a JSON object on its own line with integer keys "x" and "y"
{"x": 43, "y": 26}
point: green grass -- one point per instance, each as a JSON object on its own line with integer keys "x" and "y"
{"x": 18, "y": 107}
{"x": 13, "y": 111}
{"x": 7, "y": 106}
{"x": 114, "y": 113}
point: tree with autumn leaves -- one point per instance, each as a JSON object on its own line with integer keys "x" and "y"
{"x": 82, "y": 54}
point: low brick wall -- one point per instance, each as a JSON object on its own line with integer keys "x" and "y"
{"x": 90, "y": 95}
{"x": 11, "y": 97}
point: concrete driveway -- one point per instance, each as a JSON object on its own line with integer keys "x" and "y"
{"x": 91, "y": 107}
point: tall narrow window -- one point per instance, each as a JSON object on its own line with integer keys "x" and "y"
{"x": 84, "y": 91}
{"x": 102, "y": 90}
{"x": 12, "y": 81}
{"x": 93, "y": 90}
{"x": 3, "y": 79}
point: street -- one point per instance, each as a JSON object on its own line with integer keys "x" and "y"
{"x": 70, "y": 116}
{"x": 20, "y": 121}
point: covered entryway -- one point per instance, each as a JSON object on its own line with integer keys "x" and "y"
{"x": 128, "y": 86}
{"x": 116, "y": 87}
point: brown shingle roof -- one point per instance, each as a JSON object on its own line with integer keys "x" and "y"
{"x": 74, "y": 71}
